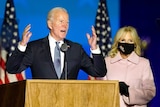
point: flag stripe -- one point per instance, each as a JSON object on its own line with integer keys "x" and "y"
{"x": 1, "y": 81}
{"x": 6, "y": 78}
{"x": 2, "y": 64}
{"x": 19, "y": 76}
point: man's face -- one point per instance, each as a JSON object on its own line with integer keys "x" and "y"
{"x": 59, "y": 25}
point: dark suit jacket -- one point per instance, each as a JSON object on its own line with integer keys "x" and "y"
{"x": 37, "y": 56}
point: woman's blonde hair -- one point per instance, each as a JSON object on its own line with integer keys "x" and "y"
{"x": 122, "y": 32}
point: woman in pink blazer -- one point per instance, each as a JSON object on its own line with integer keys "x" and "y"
{"x": 134, "y": 72}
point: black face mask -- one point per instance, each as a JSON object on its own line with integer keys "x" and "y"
{"x": 125, "y": 48}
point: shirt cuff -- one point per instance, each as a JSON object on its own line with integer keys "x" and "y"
{"x": 21, "y": 47}
{"x": 96, "y": 51}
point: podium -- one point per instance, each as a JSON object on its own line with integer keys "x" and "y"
{"x": 60, "y": 93}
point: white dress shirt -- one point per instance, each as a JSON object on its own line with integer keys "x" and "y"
{"x": 52, "y": 44}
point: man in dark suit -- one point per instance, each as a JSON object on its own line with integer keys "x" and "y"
{"x": 39, "y": 54}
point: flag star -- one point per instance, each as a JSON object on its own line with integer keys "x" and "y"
{"x": 10, "y": 23}
{"x": 103, "y": 40}
{"x": 12, "y": 48}
{"x": 103, "y": 33}
{"x": 98, "y": 17}
{"x": 98, "y": 39}
{"x": 16, "y": 26}
{"x": 103, "y": 26}
{"x": 98, "y": 31}
{"x": 11, "y": 16}
{"x": 14, "y": 41}
{"x": 15, "y": 33}
{"x": 12, "y": 9}
{"x": 8, "y": 5}
{"x": 103, "y": 47}
{"x": 4, "y": 40}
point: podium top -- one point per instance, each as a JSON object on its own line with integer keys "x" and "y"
{"x": 71, "y": 81}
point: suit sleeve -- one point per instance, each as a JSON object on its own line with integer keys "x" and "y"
{"x": 18, "y": 61}
{"x": 95, "y": 66}
{"x": 14, "y": 61}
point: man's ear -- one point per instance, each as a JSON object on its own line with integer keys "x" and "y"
{"x": 49, "y": 24}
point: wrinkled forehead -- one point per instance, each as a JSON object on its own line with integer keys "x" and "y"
{"x": 60, "y": 13}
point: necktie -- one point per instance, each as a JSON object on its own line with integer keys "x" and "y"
{"x": 57, "y": 60}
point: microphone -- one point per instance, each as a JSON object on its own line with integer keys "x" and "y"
{"x": 64, "y": 49}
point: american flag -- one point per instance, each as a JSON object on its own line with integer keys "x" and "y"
{"x": 103, "y": 29}
{"x": 9, "y": 37}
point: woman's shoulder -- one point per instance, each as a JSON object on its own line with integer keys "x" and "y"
{"x": 144, "y": 60}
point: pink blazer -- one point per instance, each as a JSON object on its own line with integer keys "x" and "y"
{"x": 136, "y": 72}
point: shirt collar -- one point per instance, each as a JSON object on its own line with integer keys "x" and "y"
{"x": 133, "y": 57}
{"x": 52, "y": 41}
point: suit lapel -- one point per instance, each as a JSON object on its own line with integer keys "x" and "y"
{"x": 46, "y": 47}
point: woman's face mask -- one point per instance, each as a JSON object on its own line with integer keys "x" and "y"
{"x": 125, "y": 48}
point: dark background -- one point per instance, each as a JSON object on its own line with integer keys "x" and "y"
{"x": 143, "y": 15}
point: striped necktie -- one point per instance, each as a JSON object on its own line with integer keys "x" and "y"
{"x": 57, "y": 59}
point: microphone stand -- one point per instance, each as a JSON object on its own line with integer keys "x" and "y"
{"x": 65, "y": 72}
{"x": 64, "y": 49}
